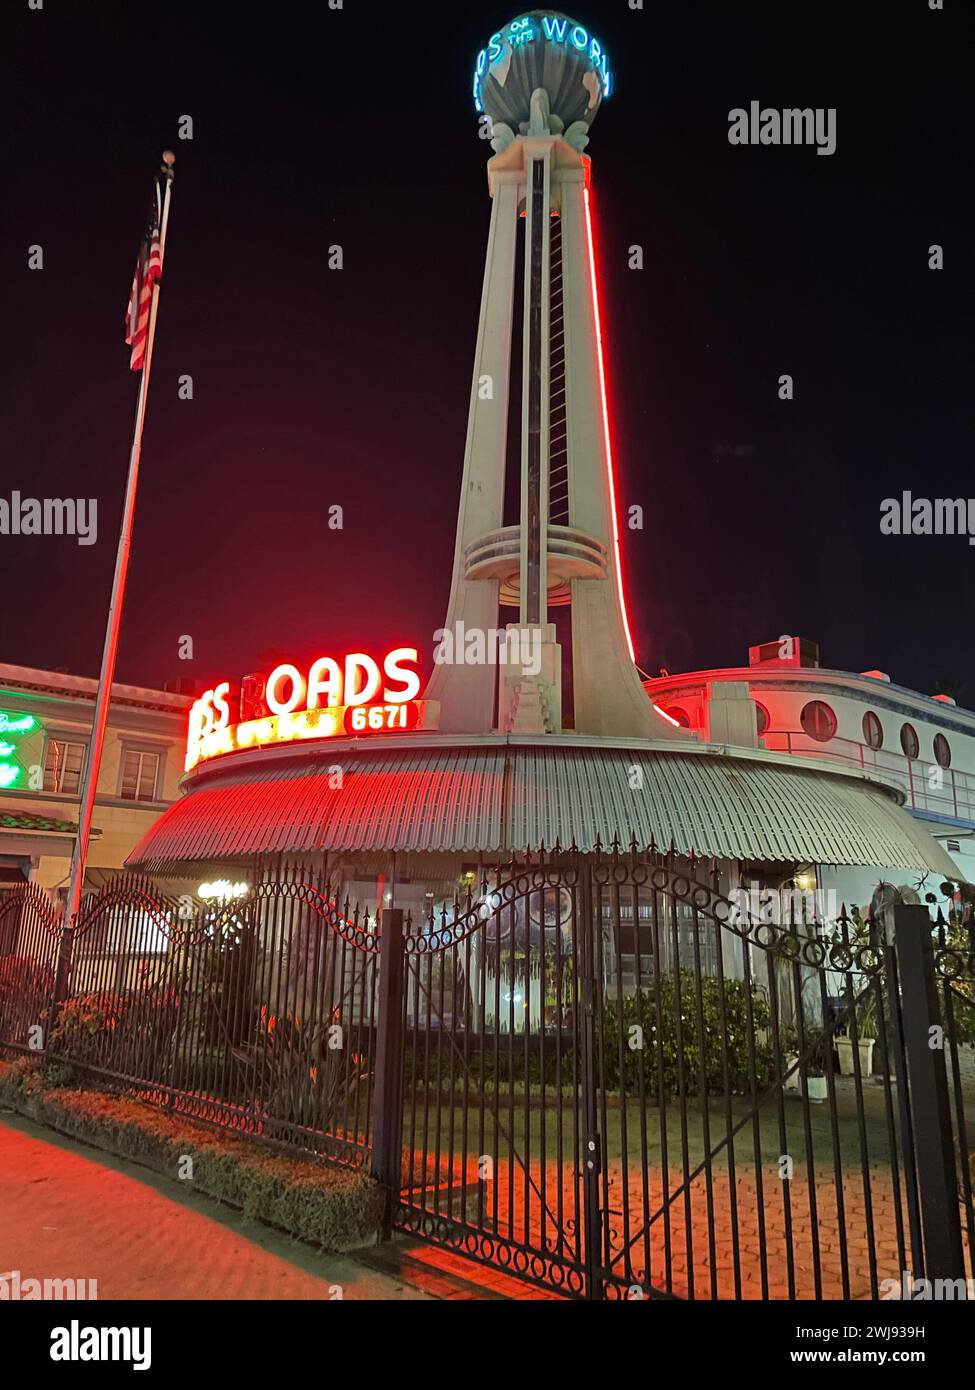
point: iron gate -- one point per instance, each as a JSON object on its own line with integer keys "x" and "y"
{"x": 616, "y": 1083}
{"x": 497, "y": 1023}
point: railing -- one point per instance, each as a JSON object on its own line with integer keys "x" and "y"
{"x": 927, "y": 786}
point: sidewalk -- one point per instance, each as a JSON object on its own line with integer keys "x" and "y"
{"x": 71, "y": 1212}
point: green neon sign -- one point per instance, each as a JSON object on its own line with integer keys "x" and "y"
{"x": 13, "y": 723}
{"x": 16, "y": 723}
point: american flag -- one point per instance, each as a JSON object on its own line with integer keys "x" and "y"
{"x": 148, "y": 268}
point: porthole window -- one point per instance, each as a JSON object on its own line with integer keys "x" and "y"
{"x": 873, "y": 730}
{"x": 818, "y": 721}
{"x": 679, "y": 715}
{"x": 909, "y": 741}
{"x": 761, "y": 718}
{"x": 942, "y": 750}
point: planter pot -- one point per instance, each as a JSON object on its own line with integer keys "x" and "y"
{"x": 844, "y": 1048}
{"x": 791, "y": 1083}
{"x": 816, "y": 1089}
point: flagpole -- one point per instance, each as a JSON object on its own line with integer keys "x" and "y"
{"x": 106, "y": 677}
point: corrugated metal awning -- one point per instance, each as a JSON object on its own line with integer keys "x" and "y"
{"x": 500, "y": 796}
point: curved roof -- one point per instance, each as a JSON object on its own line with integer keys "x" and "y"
{"x": 498, "y": 795}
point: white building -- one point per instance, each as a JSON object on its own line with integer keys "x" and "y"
{"x": 921, "y": 745}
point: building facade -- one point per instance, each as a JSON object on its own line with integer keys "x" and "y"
{"x": 45, "y": 732}
{"x": 923, "y": 746}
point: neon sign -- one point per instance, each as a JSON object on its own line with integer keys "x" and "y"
{"x": 550, "y": 28}
{"x": 16, "y": 723}
{"x": 12, "y": 724}
{"x": 349, "y": 698}
{"x": 373, "y": 719}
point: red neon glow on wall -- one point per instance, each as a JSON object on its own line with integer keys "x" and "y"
{"x": 606, "y": 439}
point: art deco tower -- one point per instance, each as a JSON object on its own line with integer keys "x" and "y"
{"x": 537, "y": 528}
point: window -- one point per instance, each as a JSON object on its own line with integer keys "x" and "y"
{"x": 761, "y": 718}
{"x": 942, "y": 750}
{"x": 63, "y": 763}
{"x": 679, "y": 716}
{"x": 818, "y": 721}
{"x": 909, "y": 741}
{"x": 139, "y": 774}
{"x": 873, "y": 730}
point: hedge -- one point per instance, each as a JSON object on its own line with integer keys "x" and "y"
{"x": 334, "y": 1209}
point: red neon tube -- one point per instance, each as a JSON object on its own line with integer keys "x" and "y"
{"x": 606, "y": 438}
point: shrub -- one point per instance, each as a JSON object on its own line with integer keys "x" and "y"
{"x": 25, "y": 1076}
{"x": 520, "y": 1066}
{"x": 706, "y": 1050}
{"x": 127, "y": 1031}
{"x": 508, "y": 1064}
{"x": 26, "y": 989}
{"x": 301, "y": 1077}
{"x": 59, "y": 1076}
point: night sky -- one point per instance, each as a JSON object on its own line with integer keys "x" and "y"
{"x": 315, "y": 387}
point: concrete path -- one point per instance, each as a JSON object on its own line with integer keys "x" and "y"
{"x": 67, "y": 1211}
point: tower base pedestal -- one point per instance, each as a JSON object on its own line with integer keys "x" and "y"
{"x": 530, "y": 685}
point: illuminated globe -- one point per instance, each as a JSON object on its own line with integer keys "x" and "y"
{"x": 542, "y": 49}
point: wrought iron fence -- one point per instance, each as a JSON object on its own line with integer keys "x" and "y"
{"x": 595, "y": 1072}
{"x": 256, "y": 1014}
{"x": 30, "y": 937}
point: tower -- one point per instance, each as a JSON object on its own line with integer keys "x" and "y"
{"x": 537, "y": 528}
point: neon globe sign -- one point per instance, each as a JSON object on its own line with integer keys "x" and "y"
{"x": 526, "y": 37}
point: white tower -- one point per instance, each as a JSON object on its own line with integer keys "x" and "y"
{"x": 538, "y": 416}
